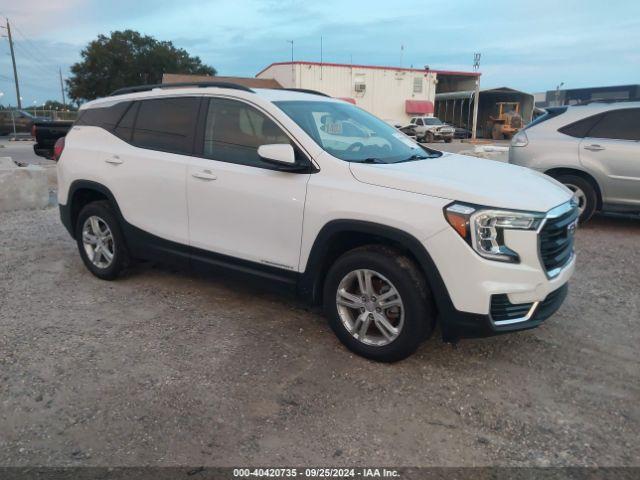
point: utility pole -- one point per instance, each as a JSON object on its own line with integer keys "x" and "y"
{"x": 64, "y": 102}
{"x": 476, "y": 96}
{"x": 293, "y": 77}
{"x": 13, "y": 59}
{"x": 320, "y": 57}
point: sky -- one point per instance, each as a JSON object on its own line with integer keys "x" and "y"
{"x": 528, "y": 45}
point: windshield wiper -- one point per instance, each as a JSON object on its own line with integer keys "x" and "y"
{"x": 370, "y": 160}
{"x": 414, "y": 157}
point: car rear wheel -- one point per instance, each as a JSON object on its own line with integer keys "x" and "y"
{"x": 100, "y": 241}
{"x": 378, "y": 303}
{"x": 583, "y": 192}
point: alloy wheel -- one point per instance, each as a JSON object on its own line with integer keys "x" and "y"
{"x": 98, "y": 243}
{"x": 370, "y": 307}
{"x": 579, "y": 195}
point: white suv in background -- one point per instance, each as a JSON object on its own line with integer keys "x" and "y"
{"x": 593, "y": 149}
{"x": 317, "y": 196}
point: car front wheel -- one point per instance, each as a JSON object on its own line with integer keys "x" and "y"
{"x": 378, "y": 303}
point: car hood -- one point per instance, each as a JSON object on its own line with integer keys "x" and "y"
{"x": 468, "y": 179}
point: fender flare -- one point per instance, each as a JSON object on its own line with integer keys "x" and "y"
{"x": 310, "y": 283}
{"x": 67, "y": 211}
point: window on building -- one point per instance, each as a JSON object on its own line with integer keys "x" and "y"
{"x": 417, "y": 84}
{"x": 167, "y": 124}
{"x": 623, "y": 124}
{"x": 235, "y": 130}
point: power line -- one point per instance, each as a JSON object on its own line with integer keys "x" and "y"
{"x": 43, "y": 56}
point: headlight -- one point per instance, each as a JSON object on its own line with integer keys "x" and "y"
{"x": 483, "y": 228}
{"x": 520, "y": 139}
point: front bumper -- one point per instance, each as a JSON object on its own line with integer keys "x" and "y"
{"x": 457, "y": 325}
{"x": 475, "y": 288}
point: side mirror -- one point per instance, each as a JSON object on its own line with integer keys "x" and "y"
{"x": 281, "y": 154}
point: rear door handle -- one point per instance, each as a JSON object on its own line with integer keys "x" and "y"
{"x": 204, "y": 175}
{"x": 594, "y": 147}
{"x": 115, "y": 160}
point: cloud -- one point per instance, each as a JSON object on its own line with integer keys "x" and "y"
{"x": 527, "y": 45}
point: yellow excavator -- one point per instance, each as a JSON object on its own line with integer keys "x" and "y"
{"x": 508, "y": 121}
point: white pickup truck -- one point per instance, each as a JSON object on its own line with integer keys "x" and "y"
{"x": 429, "y": 129}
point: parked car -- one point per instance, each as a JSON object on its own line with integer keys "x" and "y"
{"x": 47, "y": 134}
{"x": 593, "y": 149}
{"x": 429, "y": 129}
{"x": 409, "y": 130}
{"x": 388, "y": 235}
{"x": 23, "y": 121}
{"x": 461, "y": 133}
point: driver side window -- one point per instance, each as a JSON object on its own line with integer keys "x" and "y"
{"x": 419, "y": 122}
{"x": 235, "y": 130}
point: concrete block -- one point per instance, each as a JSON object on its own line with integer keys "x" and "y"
{"x": 22, "y": 188}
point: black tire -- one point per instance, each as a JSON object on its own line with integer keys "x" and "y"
{"x": 419, "y": 317}
{"x": 121, "y": 259}
{"x": 590, "y": 194}
{"x": 428, "y": 137}
{"x": 448, "y": 140}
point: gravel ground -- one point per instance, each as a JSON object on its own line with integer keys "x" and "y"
{"x": 167, "y": 368}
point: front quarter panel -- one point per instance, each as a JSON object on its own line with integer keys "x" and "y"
{"x": 334, "y": 194}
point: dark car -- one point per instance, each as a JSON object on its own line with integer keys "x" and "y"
{"x": 409, "y": 130}
{"x": 461, "y": 133}
{"x": 17, "y": 121}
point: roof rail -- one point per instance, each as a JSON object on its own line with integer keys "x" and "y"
{"x": 607, "y": 101}
{"x": 146, "y": 88}
{"x": 306, "y": 90}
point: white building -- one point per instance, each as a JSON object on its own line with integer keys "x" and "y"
{"x": 391, "y": 93}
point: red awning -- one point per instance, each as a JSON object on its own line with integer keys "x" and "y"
{"x": 347, "y": 99}
{"x": 418, "y": 106}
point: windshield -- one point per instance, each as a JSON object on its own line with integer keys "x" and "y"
{"x": 349, "y": 133}
{"x": 432, "y": 121}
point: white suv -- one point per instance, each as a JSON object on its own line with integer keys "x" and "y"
{"x": 318, "y": 196}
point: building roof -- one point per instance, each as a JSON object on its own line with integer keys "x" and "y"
{"x": 245, "y": 81}
{"x": 464, "y": 94}
{"x": 374, "y": 67}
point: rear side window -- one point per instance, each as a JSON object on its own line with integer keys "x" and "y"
{"x": 105, "y": 117}
{"x": 166, "y": 124}
{"x": 621, "y": 124}
{"x": 124, "y": 130}
{"x": 235, "y": 130}
{"x": 581, "y": 128}
{"x": 551, "y": 112}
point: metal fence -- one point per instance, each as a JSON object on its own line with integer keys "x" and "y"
{"x": 18, "y": 123}
{"x": 53, "y": 115}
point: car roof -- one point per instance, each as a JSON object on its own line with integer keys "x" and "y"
{"x": 268, "y": 94}
{"x": 575, "y": 113}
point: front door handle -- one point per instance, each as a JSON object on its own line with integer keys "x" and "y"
{"x": 594, "y": 147}
{"x": 115, "y": 160}
{"x": 204, "y": 175}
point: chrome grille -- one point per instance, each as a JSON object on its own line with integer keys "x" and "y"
{"x": 556, "y": 238}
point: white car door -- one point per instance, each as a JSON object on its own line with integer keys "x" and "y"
{"x": 148, "y": 166}
{"x": 613, "y": 148}
{"x": 240, "y": 205}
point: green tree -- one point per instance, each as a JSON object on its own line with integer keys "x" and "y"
{"x": 127, "y": 58}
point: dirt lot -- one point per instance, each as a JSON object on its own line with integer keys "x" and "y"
{"x": 166, "y": 368}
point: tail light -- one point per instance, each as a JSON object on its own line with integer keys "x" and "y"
{"x": 33, "y": 131}
{"x": 57, "y": 149}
